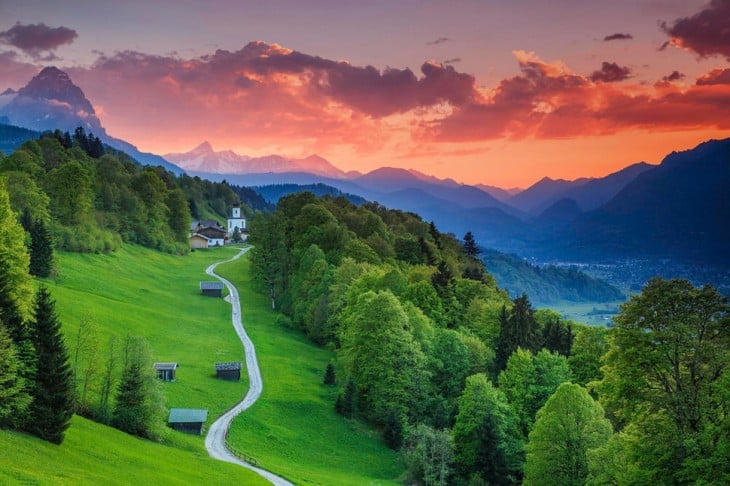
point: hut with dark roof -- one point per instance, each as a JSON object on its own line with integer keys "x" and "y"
{"x": 228, "y": 371}
{"x": 212, "y": 289}
{"x": 165, "y": 371}
{"x": 188, "y": 420}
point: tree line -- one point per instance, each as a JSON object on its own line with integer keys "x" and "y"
{"x": 91, "y": 197}
{"x": 476, "y": 388}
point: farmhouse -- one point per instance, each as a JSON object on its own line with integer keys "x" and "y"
{"x": 188, "y": 420}
{"x": 165, "y": 371}
{"x": 215, "y": 233}
{"x": 212, "y": 289}
{"x": 228, "y": 371}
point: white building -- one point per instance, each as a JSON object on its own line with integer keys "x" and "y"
{"x": 237, "y": 221}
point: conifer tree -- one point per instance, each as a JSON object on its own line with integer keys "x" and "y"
{"x": 329, "y": 375}
{"x": 53, "y": 393}
{"x": 129, "y": 410}
{"x": 519, "y": 330}
{"x": 41, "y": 249}
{"x": 470, "y": 245}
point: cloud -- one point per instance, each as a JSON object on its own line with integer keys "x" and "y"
{"x": 673, "y": 76}
{"x": 453, "y": 60}
{"x": 611, "y": 72}
{"x": 706, "y": 33}
{"x": 13, "y": 72}
{"x": 547, "y": 101}
{"x": 37, "y": 40}
{"x": 438, "y": 41}
{"x": 618, "y": 36}
{"x": 715, "y": 77}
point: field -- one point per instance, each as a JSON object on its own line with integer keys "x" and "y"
{"x": 594, "y": 314}
{"x": 292, "y": 430}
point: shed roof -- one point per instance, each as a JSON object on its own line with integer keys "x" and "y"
{"x": 236, "y": 365}
{"x": 211, "y": 285}
{"x": 187, "y": 415}
{"x": 165, "y": 366}
{"x": 198, "y": 235}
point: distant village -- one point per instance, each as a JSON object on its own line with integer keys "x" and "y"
{"x": 206, "y": 234}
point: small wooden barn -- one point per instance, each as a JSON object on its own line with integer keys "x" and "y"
{"x": 198, "y": 241}
{"x": 212, "y": 289}
{"x": 228, "y": 371}
{"x": 165, "y": 371}
{"x": 188, "y": 420}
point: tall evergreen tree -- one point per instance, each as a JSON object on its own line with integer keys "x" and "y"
{"x": 519, "y": 330}
{"x": 14, "y": 260}
{"x": 470, "y": 245}
{"x": 129, "y": 411}
{"x": 53, "y": 393}
{"x": 41, "y": 249}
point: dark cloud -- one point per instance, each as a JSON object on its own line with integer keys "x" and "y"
{"x": 37, "y": 40}
{"x": 714, "y": 77}
{"x": 707, "y": 32}
{"x": 664, "y": 46}
{"x": 610, "y": 72}
{"x": 438, "y": 41}
{"x": 673, "y": 76}
{"x": 453, "y": 60}
{"x": 618, "y": 36}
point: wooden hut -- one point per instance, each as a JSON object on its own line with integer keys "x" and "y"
{"x": 165, "y": 371}
{"x": 212, "y": 289}
{"x": 188, "y": 420}
{"x": 228, "y": 371}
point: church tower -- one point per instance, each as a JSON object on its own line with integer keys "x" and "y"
{"x": 236, "y": 220}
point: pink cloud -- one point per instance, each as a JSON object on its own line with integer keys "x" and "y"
{"x": 611, "y": 72}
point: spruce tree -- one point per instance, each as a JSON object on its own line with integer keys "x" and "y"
{"x": 470, "y": 245}
{"x": 329, "y": 375}
{"x": 129, "y": 411}
{"x": 41, "y": 249}
{"x": 53, "y": 393}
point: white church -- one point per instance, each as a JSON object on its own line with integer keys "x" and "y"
{"x": 236, "y": 220}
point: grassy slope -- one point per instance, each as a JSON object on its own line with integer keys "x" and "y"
{"x": 293, "y": 429}
{"x": 94, "y": 454}
{"x": 142, "y": 292}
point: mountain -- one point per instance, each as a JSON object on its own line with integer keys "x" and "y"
{"x": 204, "y": 159}
{"x": 678, "y": 209}
{"x": 272, "y": 193}
{"x": 561, "y": 211}
{"x": 12, "y": 137}
{"x": 542, "y": 194}
{"x": 498, "y": 193}
{"x": 52, "y": 101}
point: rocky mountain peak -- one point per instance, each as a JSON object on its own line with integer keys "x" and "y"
{"x": 53, "y": 84}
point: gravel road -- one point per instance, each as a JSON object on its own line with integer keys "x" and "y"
{"x": 215, "y": 440}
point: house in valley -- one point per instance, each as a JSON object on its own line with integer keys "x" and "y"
{"x": 228, "y": 371}
{"x": 165, "y": 371}
{"x": 214, "y": 232}
{"x": 198, "y": 241}
{"x": 188, "y": 420}
{"x": 211, "y": 289}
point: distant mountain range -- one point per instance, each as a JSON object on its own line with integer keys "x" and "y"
{"x": 678, "y": 209}
{"x": 52, "y": 101}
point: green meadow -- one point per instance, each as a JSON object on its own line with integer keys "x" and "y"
{"x": 292, "y": 430}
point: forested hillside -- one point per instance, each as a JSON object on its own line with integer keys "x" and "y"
{"x": 93, "y": 198}
{"x": 475, "y": 388}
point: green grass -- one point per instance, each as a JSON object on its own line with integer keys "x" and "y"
{"x": 581, "y": 312}
{"x": 293, "y": 429}
{"x": 95, "y": 454}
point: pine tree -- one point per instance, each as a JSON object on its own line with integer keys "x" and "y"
{"x": 518, "y": 330}
{"x": 41, "y": 250}
{"x": 470, "y": 245}
{"x": 129, "y": 411}
{"x": 53, "y": 394}
{"x": 329, "y": 375}
{"x": 346, "y": 404}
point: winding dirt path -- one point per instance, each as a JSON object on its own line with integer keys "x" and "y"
{"x": 215, "y": 440}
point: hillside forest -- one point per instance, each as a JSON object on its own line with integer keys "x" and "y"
{"x": 476, "y": 388}
{"x": 470, "y": 385}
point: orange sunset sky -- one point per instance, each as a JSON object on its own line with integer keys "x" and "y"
{"x": 494, "y": 92}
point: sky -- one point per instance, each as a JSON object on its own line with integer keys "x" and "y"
{"x": 483, "y": 91}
